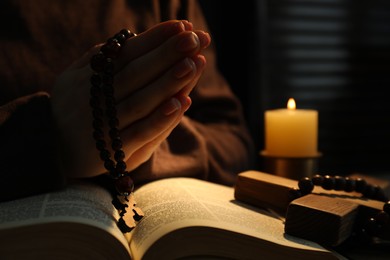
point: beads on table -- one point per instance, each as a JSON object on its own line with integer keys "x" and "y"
{"x": 374, "y": 225}
{"x": 340, "y": 183}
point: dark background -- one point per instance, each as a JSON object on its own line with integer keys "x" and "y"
{"x": 330, "y": 55}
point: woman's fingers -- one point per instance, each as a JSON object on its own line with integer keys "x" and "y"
{"x": 142, "y": 71}
{"x": 155, "y": 37}
{"x": 142, "y": 102}
{"x": 144, "y": 152}
{"x": 200, "y": 62}
{"x": 150, "y": 39}
{"x": 149, "y": 128}
{"x": 145, "y": 69}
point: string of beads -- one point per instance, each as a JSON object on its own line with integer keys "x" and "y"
{"x": 102, "y": 82}
{"x": 374, "y": 226}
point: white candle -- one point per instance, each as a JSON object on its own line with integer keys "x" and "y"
{"x": 291, "y": 132}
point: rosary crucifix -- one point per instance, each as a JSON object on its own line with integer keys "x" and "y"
{"x": 328, "y": 217}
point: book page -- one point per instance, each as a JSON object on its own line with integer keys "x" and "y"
{"x": 178, "y": 202}
{"x": 81, "y": 202}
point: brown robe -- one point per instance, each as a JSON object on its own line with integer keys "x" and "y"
{"x": 39, "y": 39}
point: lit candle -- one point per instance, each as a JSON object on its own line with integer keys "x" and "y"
{"x": 291, "y": 132}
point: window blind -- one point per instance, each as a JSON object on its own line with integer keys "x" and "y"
{"x": 333, "y": 56}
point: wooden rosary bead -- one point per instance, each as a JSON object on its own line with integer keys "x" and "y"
{"x": 111, "y": 112}
{"x": 108, "y": 92}
{"x": 120, "y": 167}
{"x": 97, "y": 113}
{"x": 111, "y": 48}
{"x": 124, "y": 185}
{"x": 109, "y": 66}
{"x": 120, "y": 37}
{"x": 305, "y": 185}
{"x": 116, "y": 144}
{"x": 360, "y": 185}
{"x": 127, "y": 33}
{"x": 105, "y": 154}
{"x": 318, "y": 179}
{"x": 349, "y": 184}
{"x": 110, "y": 101}
{"x": 107, "y": 79}
{"x": 119, "y": 155}
{"x": 101, "y": 63}
{"x": 95, "y": 79}
{"x": 328, "y": 182}
{"x": 113, "y": 122}
{"x": 109, "y": 165}
{"x": 378, "y": 193}
{"x": 368, "y": 191}
{"x": 339, "y": 183}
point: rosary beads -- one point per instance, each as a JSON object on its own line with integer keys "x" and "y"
{"x": 120, "y": 184}
{"x": 373, "y": 227}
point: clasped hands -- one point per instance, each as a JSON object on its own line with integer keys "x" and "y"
{"x": 154, "y": 75}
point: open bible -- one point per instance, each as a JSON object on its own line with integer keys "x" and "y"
{"x": 184, "y": 218}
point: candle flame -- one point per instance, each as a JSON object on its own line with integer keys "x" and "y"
{"x": 291, "y": 104}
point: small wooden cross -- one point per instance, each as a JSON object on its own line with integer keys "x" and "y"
{"x": 134, "y": 214}
{"x": 324, "y": 216}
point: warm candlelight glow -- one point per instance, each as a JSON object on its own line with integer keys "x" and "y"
{"x": 291, "y": 132}
{"x": 291, "y": 104}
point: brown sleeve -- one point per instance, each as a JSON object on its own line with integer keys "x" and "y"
{"x": 212, "y": 142}
{"x": 27, "y": 150}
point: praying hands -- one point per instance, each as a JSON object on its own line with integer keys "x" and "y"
{"x": 154, "y": 74}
